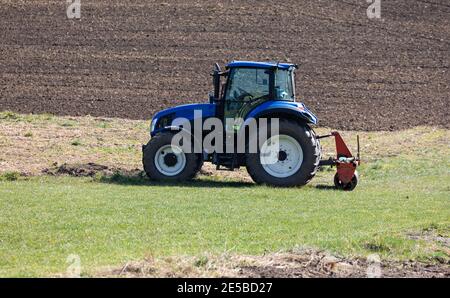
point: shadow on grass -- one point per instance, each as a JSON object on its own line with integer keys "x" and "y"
{"x": 325, "y": 187}
{"x": 137, "y": 179}
{"x": 142, "y": 179}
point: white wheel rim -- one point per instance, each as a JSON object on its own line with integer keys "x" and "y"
{"x": 278, "y": 164}
{"x": 175, "y": 166}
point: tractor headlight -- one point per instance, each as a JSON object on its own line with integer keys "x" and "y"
{"x": 161, "y": 122}
{"x": 153, "y": 124}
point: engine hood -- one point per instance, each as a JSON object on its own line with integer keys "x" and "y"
{"x": 188, "y": 111}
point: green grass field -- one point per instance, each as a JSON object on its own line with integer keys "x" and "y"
{"x": 108, "y": 221}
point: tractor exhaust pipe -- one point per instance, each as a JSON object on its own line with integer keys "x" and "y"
{"x": 358, "y": 155}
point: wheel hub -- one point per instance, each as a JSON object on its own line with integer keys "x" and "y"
{"x": 170, "y": 159}
{"x": 282, "y": 155}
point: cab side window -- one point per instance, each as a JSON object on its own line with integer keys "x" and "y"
{"x": 283, "y": 85}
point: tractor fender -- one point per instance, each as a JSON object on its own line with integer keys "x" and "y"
{"x": 278, "y": 109}
{"x": 281, "y": 109}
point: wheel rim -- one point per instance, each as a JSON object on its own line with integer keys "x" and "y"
{"x": 281, "y": 156}
{"x": 170, "y": 160}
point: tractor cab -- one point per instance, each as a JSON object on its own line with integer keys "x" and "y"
{"x": 245, "y": 85}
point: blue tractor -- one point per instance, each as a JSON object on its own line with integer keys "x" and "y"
{"x": 245, "y": 91}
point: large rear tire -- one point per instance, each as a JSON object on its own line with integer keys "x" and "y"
{"x": 163, "y": 161}
{"x": 296, "y": 162}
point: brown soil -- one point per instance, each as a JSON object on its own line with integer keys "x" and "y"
{"x": 302, "y": 263}
{"x": 108, "y": 173}
{"x": 131, "y": 58}
{"x": 90, "y": 170}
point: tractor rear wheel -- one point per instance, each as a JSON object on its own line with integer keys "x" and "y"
{"x": 294, "y": 164}
{"x": 164, "y": 161}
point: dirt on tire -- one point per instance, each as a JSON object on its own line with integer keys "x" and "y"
{"x": 130, "y": 59}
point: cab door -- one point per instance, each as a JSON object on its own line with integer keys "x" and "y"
{"x": 246, "y": 88}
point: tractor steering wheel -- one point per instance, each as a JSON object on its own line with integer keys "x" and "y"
{"x": 244, "y": 94}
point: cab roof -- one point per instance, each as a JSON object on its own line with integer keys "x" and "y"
{"x": 254, "y": 64}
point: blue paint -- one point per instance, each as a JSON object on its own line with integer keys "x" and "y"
{"x": 184, "y": 111}
{"x": 253, "y": 64}
{"x": 278, "y": 106}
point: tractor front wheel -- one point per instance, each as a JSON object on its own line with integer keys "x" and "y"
{"x": 164, "y": 161}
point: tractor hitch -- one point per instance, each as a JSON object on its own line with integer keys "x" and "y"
{"x": 346, "y": 177}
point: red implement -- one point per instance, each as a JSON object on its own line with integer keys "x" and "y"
{"x": 346, "y": 177}
{"x": 346, "y": 163}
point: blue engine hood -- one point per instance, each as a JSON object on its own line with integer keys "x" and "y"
{"x": 184, "y": 111}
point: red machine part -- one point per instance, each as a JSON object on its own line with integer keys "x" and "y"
{"x": 346, "y": 163}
